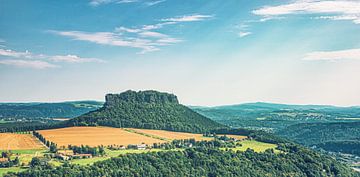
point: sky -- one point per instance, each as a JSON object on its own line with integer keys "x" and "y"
{"x": 207, "y": 52}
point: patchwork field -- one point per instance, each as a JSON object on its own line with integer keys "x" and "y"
{"x": 169, "y": 135}
{"x": 95, "y": 136}
{"x": 13, "y": 141}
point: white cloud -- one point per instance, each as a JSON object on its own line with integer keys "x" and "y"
{"x": 35, "y": 64}
{"x": 74, "y": 59}
{"x": 11, "y": 53}
{"x": 152, "y": 34}
{"x": 101, "y": 2}
{"x": 334, "y": 55}
{"x": 152, "y": 3}
{"x": 188, "y": 18}
{"x": 144, "y": 37}
{"x": 244, "y": 33}
{"x": 334, "y": 9}
{"x": 39, "y": 61}
{"x": 109, "y": 38}
{"x": 145, "y": 2}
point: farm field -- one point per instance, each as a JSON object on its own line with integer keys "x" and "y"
{"x": 3, "y": 171}
{"x": 255, "y": 145}
{"x": 169, "y": 135}
{"x": 95, "y": 136}
{"x": 13, "y": 141}
{"x": 113, "y": 153}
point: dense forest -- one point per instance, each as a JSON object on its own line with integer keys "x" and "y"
{"x": 31, "y": 111}
{"x": 146, "y": 109}
{"x": 296, "y": 161}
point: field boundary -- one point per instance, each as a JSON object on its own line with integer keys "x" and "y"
{"x": 148, "y": 135}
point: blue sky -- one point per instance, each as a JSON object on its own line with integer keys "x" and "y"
{"x": 208, "y": 52}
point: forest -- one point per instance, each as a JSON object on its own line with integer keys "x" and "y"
{"x": 149, "y": 110}
{"x": 297, "y": 161}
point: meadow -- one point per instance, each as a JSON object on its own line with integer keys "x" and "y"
{"x": 255, "y": 145}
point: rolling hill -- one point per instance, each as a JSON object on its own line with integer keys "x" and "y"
{"x": 31, "y": 111}
{"x": 331, "y": 128}
{"x": 146, "y": 109}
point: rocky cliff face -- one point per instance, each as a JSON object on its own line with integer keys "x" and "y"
{"x": 140, "y": 97}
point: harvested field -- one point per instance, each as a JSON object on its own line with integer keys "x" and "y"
{"x": 171, "y": 135}
{"x": 95, "y": 136}
{"x": 13, "y": 141}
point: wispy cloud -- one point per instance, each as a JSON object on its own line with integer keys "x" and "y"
{"x": 334, "y": 55}
{"x": 243, "y": 34}
{"x": 110, "y": 38}
{"x": 327, "y": 9}
{"x": 74, "y": 59}
{"x": 188, "y": 18}
{"x": 145, "y": 37}
{"x": 39, "y": 61}
{"x": 144, "y": 2}
{"x": 11, "y": 53}
{"x": 152, "y": 3}
{"x": 34, "y": 64}
{"x": 244, "y": 29}
{"x": 101, "y": 2}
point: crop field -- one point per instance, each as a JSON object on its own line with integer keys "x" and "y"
{"x": 13, "y": 141}
{"x": 95, "y": 136}
{"x": 171, "y": 135}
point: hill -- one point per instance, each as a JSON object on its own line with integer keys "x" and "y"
{"x": 336, "y": 137}
{"x": 274, "y": 117}
{"x": 331, "y": 128}
{"x": 146, "y": 109}
{"x": 34, "y": 111}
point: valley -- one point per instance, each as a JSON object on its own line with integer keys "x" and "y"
{"x": 154, "y": 130}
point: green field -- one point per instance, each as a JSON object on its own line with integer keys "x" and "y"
{"x": 112, "y": 153}
{"x": 11, "y": 169}
{"x": 255, "y": 145}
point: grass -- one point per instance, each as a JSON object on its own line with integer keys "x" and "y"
{"x": 25, "y": 156}
{"x": 255, "y": 145}
{"x": 3, "y": 171}
{"x": 26, "y": 151}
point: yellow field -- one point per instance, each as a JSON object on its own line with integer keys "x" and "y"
{"x": 171, "y": 135}
{"x": 12, "y": 141}
{"x": 95, "y": 136}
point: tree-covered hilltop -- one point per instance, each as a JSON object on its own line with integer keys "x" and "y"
{"x": 146, "y": 109}
{"x": 294, "y": 161}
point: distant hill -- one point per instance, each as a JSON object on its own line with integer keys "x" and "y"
{"x": 146, "y": 109}
{"x": 274, "y": 117}
{"x": 337, "y": 136}
{"x": 16, "y": 111}
{"x": 331, "y": 128}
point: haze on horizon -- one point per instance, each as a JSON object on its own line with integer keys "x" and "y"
{"x": 206, "y": 52}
